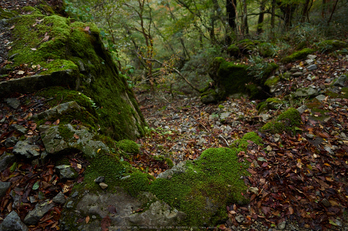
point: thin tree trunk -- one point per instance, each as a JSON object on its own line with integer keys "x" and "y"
{"x": 305, "y": 11}
{"x": 261, "y": 17}
{"x": 333, "y": 10}
{"x": 273, "y": 18}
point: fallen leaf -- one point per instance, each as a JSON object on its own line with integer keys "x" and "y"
{"x": 87, "y": 219}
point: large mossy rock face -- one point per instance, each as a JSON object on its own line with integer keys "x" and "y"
{"x": 228, "y": 77}
{"x": 71, "y": 54}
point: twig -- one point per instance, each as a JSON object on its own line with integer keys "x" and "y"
{"x": 224, "y": 139}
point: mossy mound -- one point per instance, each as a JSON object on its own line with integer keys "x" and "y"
{"x": 233, "y": 50}
{"x": 267, "y": 49}
{"x": 302, "y": 54}
{"x": 287, "y": 121}
{"x": 54, "y": 46}
{"x": 331, "y": 45}
{"x": 208, "y": 185}
{"x": 270, "y": 103}
{"x": 128, "y": 146}
{"x": 229, "y": 77}
{"x": 272, "y": 81}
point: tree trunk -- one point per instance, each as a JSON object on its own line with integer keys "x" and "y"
{"x": 305, "y": 10}
{"x": 273, "y": 18}
{"x": 261, "y": 17}
{"x": 231, "y": 6}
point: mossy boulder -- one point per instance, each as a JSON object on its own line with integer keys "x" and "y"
{"x": 267, "y": 49}
{"x": 71, "y": 54}
{"x": 229, "y": 78}
{"x": 128, "y": 146}
{"x": 331, "y": 45}
{"x": 270, "y": 103}
{"x": 298, "y": 55}
{"x": 287, "y": 121}
{"x": 233, "y": 50}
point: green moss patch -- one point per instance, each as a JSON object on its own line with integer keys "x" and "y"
{"x": 331, "y": 45}
{"x": 302, "y": 54}
{"x": 287, "y": 121}
{"x": 128, "y": 146}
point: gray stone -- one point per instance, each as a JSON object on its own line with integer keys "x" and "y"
{"x": 297, "y": 74}
{"x": 99, "y": 179}
{"x": 56, "y": 143}
{"x": 177, "y": 169}
{"x": 239, "y": 218}
{"x": 66, "y": 172}
{"x": 38, "y": 212}
{"x": 224, "y": 115}
{"x": 282, "y": 225}
{"x": 326, "y": 203}
{"x": 310, "y": 136}
{"x": 311, "y": 56}
{"x": 302, "y": 109}
{"x": 12, "y": 222}
{"x": 321, "y": 97}
{"x": 11, "y": 141}
{"x": 103, "y": 185}
{"x": 341, "y": 81}
{"x": 59, "y": 198}
{"x": 312, "y": 67}
{"x": 6, "y": 159}
{"x": 75, "y": 194}
{"x": 70, "y": 205}
{"x": 19, "y": 128}
{"x": 26, "y": 149}
{"x": 16, "y": 197}
{"x": 57, "y": 111}
{"x": 13, "y": 102}
{"x": 305, "y": 92}
{"x": 4, "y": 186}
{"x": 158, "y": 213}
{"x": 254, "y": 190}
{"x": 309, "y": 61}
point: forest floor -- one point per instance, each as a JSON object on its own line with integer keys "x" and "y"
{"x": 297, "y": 182}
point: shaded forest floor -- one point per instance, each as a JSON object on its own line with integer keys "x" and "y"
{"x": 297, "y": 181}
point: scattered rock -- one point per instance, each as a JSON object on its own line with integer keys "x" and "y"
{"x": 11, "y": 141}
{"x": 13, "y": 102}
{"x": 55, "y": 142}
{"x": 309, "y": 135}
{"x": 3, "y": 188}
{"x": 239, "y": 218}
{"x": 305, "y": 92}
{"x": 103, "y": 185}
{"x": 282, "y": 225}
{"x": 311, "y": 56}
{"x": 309, "y": 61}
{"x": 16, "y": 197}
{"x": 70, "y": 205}
{"x": 57, "y": 111}
{"x": 297, "y": 74}
{"x": 12, "y": 222}
{"x": 341, "y": 81}
{"x": 6, "y": 159}
{"x": 224, "y": 115}
{"x": 38, "y": 212}
{"x": 66, "y": 172}
{"x": 99, "y": 179}
{"x": 326, "y": 203}
{"x": 75, "y": 194}
{"x": 25, "y": 148}
{"x": 59, "y": 198}
{"x": 312, "y": 67}
{"x": 254, "y": 190}
{"x": 19, "y": 128}
{"x": 179, "y": 168}
{"x": 321, "y": 97}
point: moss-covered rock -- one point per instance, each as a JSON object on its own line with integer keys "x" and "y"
{"x": 270, "y": 103}
{"x": 287, "y": 121}
{"x": 128, "y": 146}
{"x": 302, "y": 54}
{"x": 71, "y": 54}
{"x": 331, "y": 45}
{"x": 233, "y": 50}
{"x": 267, "y": 49}
{"x": 204, "y": 187}
{"x": 229, "y": 78}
